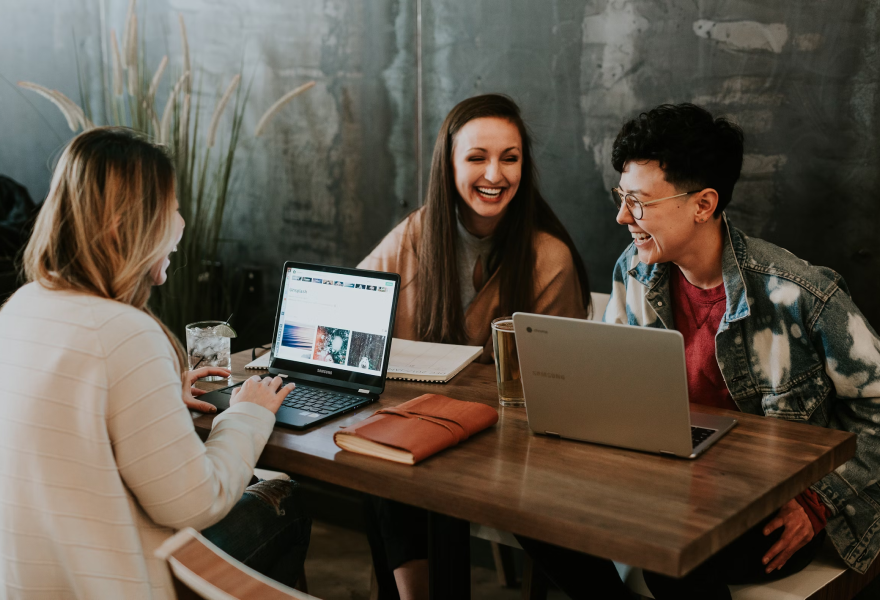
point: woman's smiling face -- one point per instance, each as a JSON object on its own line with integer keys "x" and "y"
{"x": 487, "y": 158}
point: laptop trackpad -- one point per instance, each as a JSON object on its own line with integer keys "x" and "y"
{"x": 219, "y": 398}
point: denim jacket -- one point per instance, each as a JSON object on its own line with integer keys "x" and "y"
{"x": 791, "y": 345}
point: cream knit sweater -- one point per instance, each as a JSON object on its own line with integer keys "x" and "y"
{"x": 99, "y": 459}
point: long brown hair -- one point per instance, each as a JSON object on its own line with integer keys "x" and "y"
{"x": 108, "y": 219}
{"x": 440, "y": 313}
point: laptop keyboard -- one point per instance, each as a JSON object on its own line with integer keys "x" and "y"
{"x": 316, "y": 400}
{"x": 700, "y": 435}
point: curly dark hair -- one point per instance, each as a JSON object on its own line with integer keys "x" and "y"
{"x": 695, "y": 150}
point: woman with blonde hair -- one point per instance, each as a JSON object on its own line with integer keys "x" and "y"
{"x": 100, "y": 459}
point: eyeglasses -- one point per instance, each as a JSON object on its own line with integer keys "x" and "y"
{"x": 635, "y": 206}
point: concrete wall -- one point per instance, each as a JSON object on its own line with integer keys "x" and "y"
{"x": 338, "y": 168}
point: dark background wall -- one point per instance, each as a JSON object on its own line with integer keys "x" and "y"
{"x": 344, "y": 163}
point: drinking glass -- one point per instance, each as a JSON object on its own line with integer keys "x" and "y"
{"x": 510, "y": 391}
{"x": 205, "y": 347}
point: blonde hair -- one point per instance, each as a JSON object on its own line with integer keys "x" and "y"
{"x": 108, "y": 219}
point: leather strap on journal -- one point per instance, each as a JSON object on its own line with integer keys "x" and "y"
{"x": 459, "y": 434}
{"x": 424, "y": 425}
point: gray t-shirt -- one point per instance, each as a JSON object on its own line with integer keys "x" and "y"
{"x": 468, "y": 250}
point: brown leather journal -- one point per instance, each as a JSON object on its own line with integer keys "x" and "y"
{"x": 416, "y": 429}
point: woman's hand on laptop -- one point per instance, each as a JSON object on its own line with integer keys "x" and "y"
{"x": 190, "y": 393}
{"x": 267, "y": 392}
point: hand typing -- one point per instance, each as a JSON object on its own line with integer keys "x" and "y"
{"x": 264, "y": 392}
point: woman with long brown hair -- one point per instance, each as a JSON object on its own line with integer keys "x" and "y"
{"x": 486, "y": 244}
{"x": 101, "y": 459}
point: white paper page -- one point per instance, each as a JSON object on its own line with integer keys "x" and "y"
{"x": 429, "y": 359}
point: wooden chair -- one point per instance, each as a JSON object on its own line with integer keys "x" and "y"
{"x": 201, "y": 570}
{"x": 600, "y": 301}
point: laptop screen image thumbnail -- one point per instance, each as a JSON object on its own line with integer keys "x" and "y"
{"x": 334, "y": 319}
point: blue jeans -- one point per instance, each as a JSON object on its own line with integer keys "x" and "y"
{"x": 267, "y": 530}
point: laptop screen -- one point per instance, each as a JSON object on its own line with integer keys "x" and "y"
{"x": 335, "y": 324}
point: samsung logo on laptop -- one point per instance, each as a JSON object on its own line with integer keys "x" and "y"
{"x": 325, "y": 371}
{"x": 547, "y": 374}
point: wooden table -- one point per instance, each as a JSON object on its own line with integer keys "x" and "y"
{"x": 659, "y": 513}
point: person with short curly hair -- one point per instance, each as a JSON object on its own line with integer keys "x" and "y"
{"x": 764, "y": 333}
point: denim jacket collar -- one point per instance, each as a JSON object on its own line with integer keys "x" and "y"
{"x": 733, "y": 255}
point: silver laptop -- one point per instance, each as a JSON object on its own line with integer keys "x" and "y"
{"x": 611, "y": 384}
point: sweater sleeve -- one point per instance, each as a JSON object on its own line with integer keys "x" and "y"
{"x": 398, "y": 250}
{"x": 386, "y": 256}
{"x": 557, "y": 288}
{"x": 176, "y": 479}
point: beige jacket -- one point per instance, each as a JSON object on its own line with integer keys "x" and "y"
{"x": 557, "y": 290}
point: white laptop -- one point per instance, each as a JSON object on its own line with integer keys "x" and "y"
{"x": 611, "y": 384}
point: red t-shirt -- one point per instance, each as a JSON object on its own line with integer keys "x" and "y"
{"x": 698, "y": 313}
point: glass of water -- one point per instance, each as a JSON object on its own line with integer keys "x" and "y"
{"x": 209, "y": 345}
{"x": 510, "y": 390}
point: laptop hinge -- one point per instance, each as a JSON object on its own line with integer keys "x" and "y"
{"x": 363, "y": 392}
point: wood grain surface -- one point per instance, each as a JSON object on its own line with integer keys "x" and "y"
{"x": 656, "y": 512}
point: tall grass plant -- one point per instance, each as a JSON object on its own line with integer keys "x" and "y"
{"x": 197, "y": 287}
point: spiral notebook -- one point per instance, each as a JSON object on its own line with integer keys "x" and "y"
{"x": 416, "y": 361}
{"x": 427, "y": 361}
